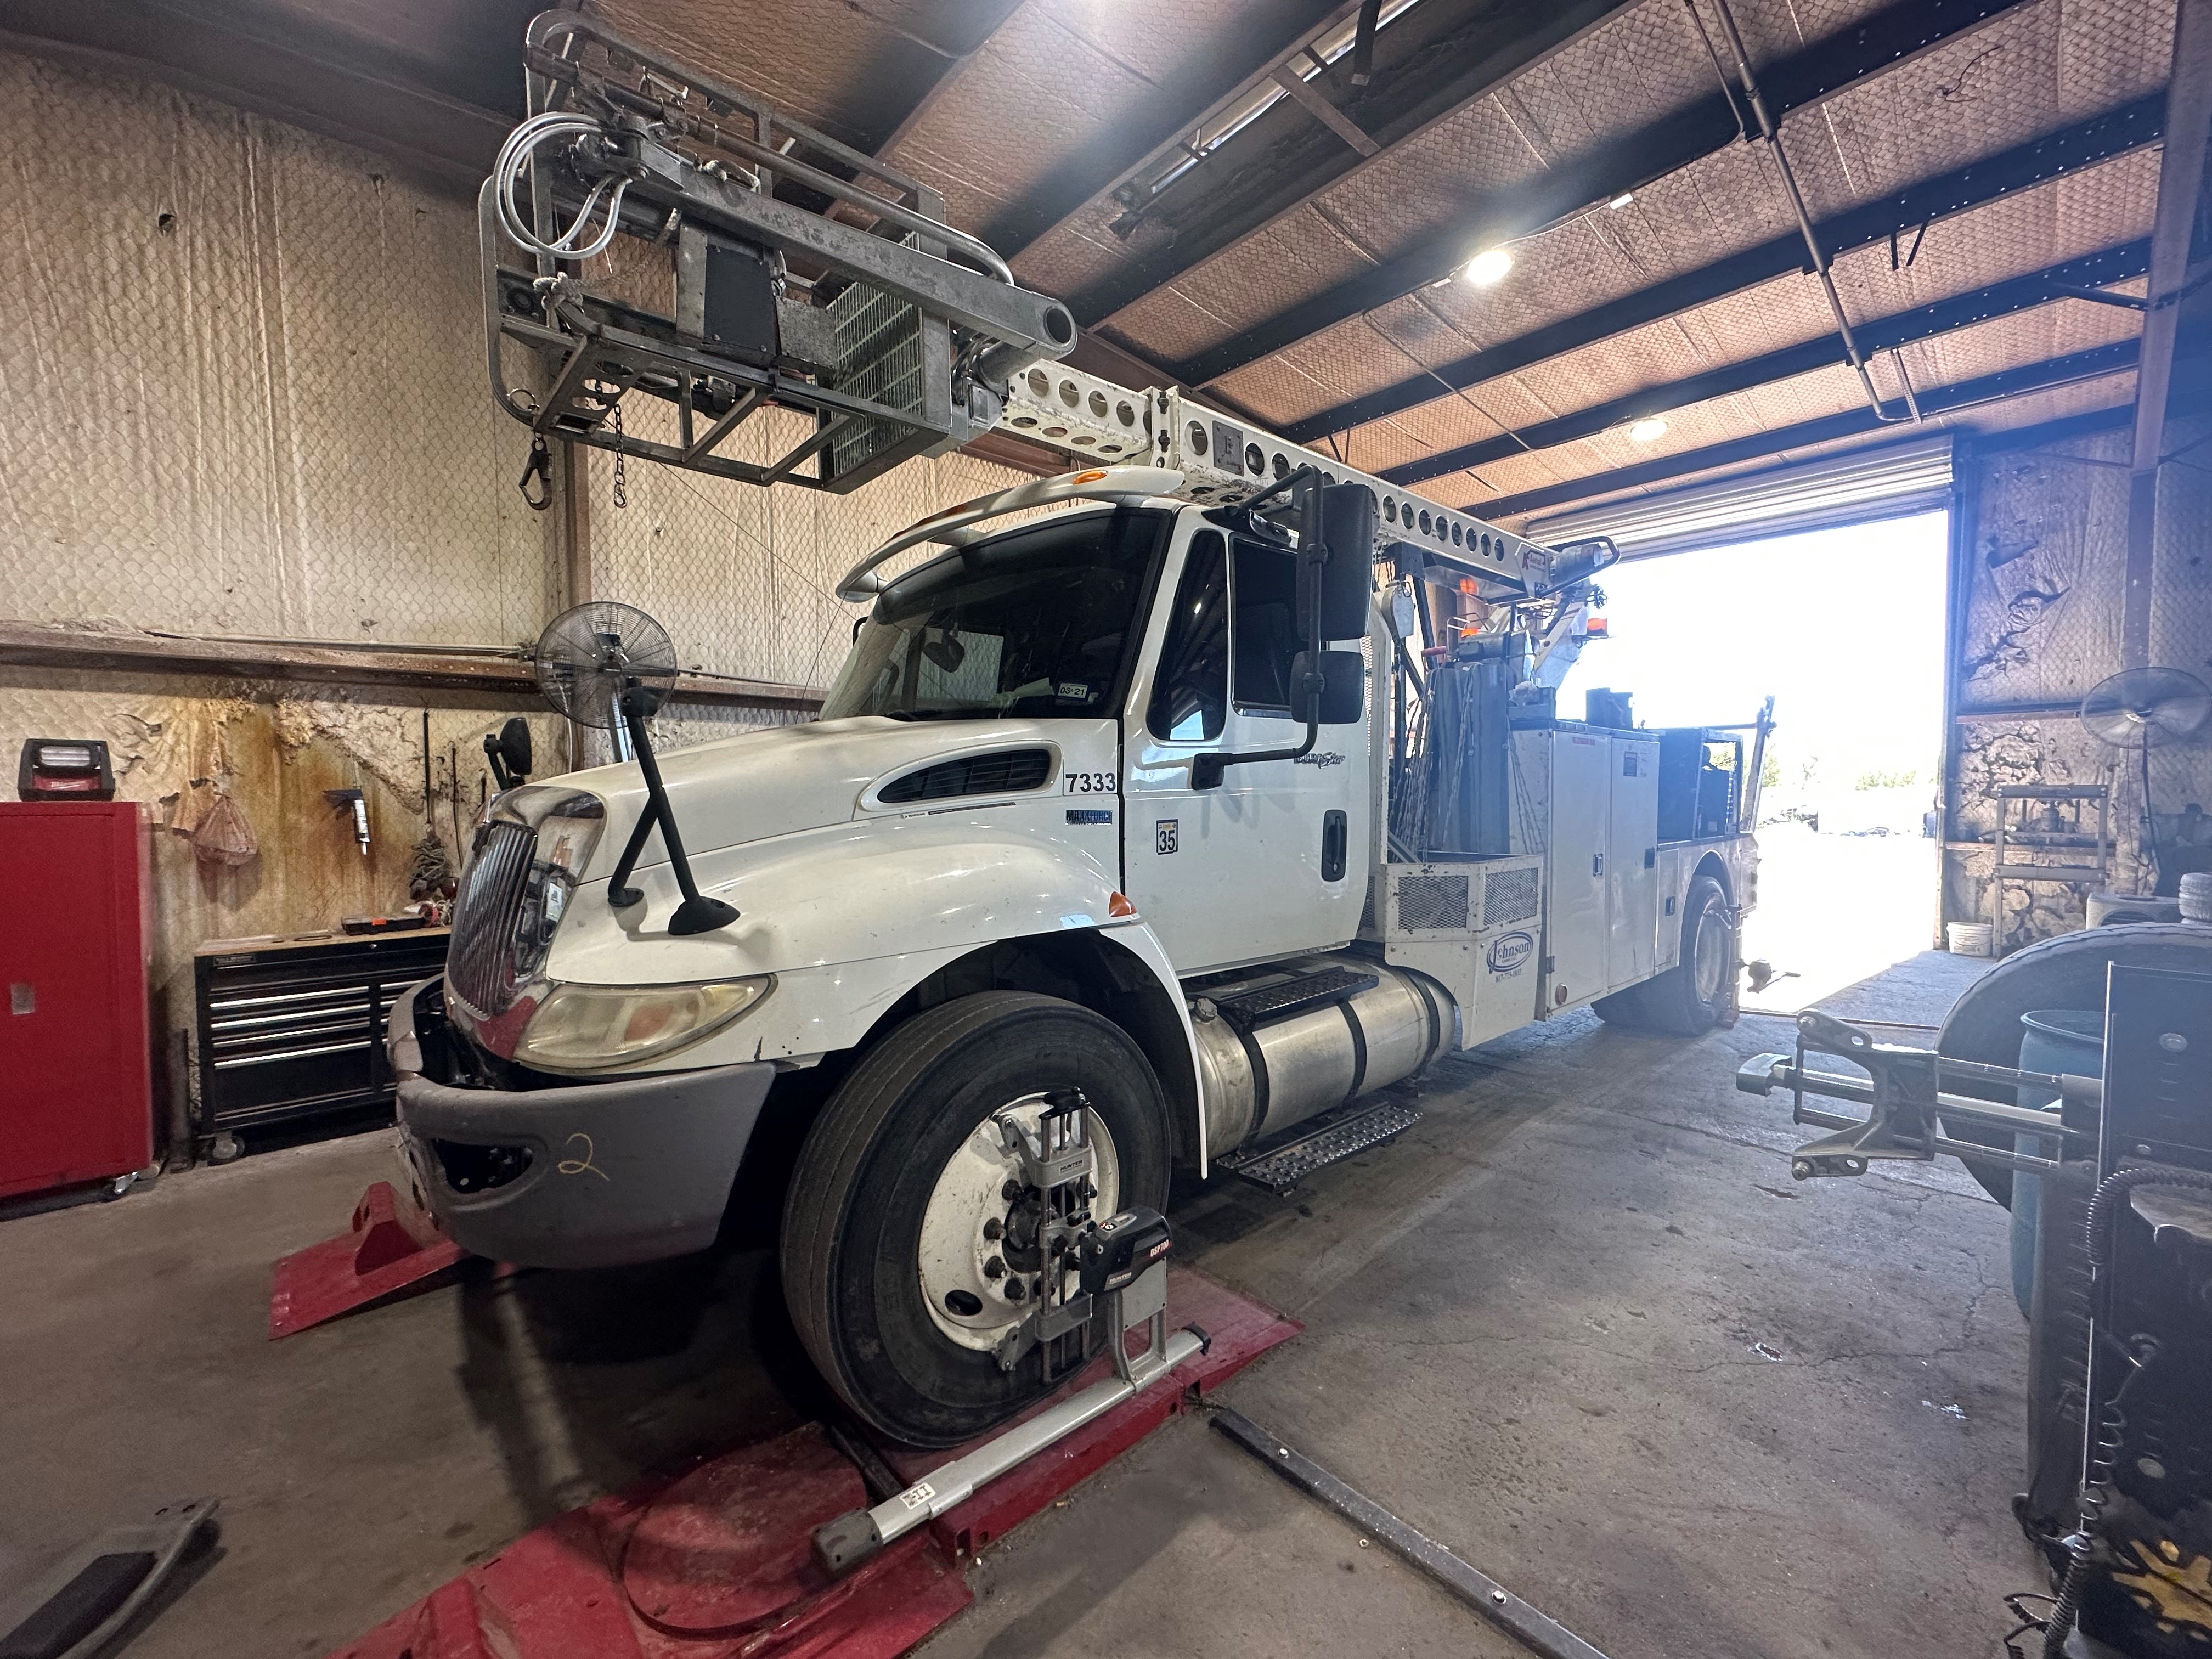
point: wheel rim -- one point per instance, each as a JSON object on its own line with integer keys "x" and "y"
{"x": 956, "y": 1251}
{"x": 1708, "y": 957}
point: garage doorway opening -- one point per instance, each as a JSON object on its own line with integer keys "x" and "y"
{"x": 1845, "y": 627}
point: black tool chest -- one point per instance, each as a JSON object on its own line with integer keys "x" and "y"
{"x": 293, "y": 1031}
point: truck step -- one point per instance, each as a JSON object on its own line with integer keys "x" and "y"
{"x": 1294, "y": 996}
{"x": 1330, "y": 1138}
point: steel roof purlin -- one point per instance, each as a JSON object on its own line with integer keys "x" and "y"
{"x": 2069, "y": 150}
{"x": 1935, "y": 401}
{"x": 1899, "y": 35}
{"x": 1490, "y": 44}
{"x": 2072, "y": 279}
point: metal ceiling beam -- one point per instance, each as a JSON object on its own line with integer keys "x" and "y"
{"x": 1264, "y": 173}
{"x": 1897, "y": 34}
{"x": 2039, "y": 288}
{"x": 1102, "y": 167}
{"x": 2067, "y": 150}
{"x": 1937, "y": 400}
{"x": 2180, "y": 184}
{"x": 951, "y": 61}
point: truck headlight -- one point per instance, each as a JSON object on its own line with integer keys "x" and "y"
{"x": 595, "y": 1028}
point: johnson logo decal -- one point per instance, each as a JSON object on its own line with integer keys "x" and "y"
{"x": 1508, "y": 950}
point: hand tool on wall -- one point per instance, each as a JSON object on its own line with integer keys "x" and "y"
{"x": 353, "y": 800}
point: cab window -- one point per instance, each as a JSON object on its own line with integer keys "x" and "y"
{"x": 1265, "y": 593}
{"x": 1190, "y": 693}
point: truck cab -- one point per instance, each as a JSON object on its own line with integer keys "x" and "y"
{"x": 1085, "y": 814}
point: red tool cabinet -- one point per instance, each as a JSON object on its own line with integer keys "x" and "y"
{"x": 76, "y": 1067}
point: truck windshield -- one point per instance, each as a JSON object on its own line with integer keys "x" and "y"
{"x": 1042, "y": 620}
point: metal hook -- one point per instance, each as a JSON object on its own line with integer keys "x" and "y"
{"x": 538, "y": 466}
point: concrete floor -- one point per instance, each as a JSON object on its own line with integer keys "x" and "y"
{"x": 1579, "y": 1325}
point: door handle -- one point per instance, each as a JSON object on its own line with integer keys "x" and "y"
{"x": 1597, "y": 864}
{"x": 1335, "y": 840}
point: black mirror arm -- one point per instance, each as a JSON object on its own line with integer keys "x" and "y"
{"x": 1205, "y": 770}
{"x": 698, "y": 913}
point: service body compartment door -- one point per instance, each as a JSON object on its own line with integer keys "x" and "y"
{"x": 1275, "y": 860}
{"x": 1577, "y": 927}
{"x": 1631, "y": 875}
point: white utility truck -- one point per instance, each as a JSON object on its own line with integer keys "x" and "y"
{"x": 1169, "y": 824}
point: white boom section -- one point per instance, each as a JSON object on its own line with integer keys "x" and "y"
{"x": 1224, "y": 460}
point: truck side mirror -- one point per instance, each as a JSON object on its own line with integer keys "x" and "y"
{"x": 1343, "y": 691}
{"x": 509, "y": 753}
{"x": 1347, "y": 573}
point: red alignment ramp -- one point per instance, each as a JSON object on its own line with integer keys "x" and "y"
{"x": 717, "y": 1562}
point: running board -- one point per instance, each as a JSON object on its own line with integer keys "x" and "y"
{"x": 1344, "y": 1133}
{"x": 1294, "y": 996}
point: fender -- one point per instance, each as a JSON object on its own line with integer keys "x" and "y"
{"x": 849, "y": 918}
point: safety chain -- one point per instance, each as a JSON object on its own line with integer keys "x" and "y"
{"x": 622, "y": 480}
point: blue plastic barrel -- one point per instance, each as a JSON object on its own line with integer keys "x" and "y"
{"x": 2055, "y": 1040}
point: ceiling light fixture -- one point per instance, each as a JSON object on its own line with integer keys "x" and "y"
{"x": 1621, "y": 200}
{"x": 1488, "y": 267}
{"x": 1650, "y": 429}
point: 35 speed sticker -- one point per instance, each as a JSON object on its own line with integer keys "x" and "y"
{"x": 1091, "y": 783}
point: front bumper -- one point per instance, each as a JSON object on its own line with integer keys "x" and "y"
{"x": 615, "y": 1173}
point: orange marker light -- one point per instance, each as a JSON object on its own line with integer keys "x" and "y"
{"x": 1120, "y": 904}
{"x": 1086, "y": 478}
{"x": 1597, "y": 627}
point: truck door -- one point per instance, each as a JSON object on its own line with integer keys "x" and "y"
{"x": 1575, "y": 921}
{"x": 1632, "y": 859}
{"x": 1273, "y": 861}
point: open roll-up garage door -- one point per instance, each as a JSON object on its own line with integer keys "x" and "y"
{"x": 1887, "y": 482}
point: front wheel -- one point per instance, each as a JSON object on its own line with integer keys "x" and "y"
{"x": 895, "y": 1263}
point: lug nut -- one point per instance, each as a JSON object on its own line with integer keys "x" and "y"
{"x": 995, "y": 1269}
{"x": 1016, "y": 1290}
{"x": 1011, "y": 1191}
{"x": 994, "y": 1229}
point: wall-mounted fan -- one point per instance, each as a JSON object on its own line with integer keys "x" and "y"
{"x": 2142, "y": 710}
{"x": 605, "y": 665}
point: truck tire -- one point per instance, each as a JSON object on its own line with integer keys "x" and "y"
{"x": 1689, "y": 998}
{"x": 889, "y": 1205}
{"x": 2067, "y": 972}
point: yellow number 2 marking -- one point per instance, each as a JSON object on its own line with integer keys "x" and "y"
{"x": 578, "y": 1165}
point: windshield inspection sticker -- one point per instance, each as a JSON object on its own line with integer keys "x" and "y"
{"x": 1164, "y": 832}
{"x": 1090, "y": 783}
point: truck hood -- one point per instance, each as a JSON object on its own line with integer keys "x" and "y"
{"x": 785, "y": 779}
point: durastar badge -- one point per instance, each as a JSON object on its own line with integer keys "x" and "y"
{"x": 1508, "y": 950}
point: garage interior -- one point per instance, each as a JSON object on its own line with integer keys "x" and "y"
{"x": 1567, "y": 1295}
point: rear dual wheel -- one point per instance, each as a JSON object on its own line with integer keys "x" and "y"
{"x": 1691, "y": 997}
{"x": 896, "y": 1266}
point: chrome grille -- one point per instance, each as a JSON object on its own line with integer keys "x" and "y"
{"x": 479, "y": 963}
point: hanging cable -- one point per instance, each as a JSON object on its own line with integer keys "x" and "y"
{"x": 1772, "y": 134}
{"x": 515, "y": 157}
